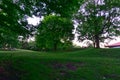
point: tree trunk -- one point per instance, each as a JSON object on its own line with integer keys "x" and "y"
{"x": 93, "y": 43}
{"x": 97, "y": 43}
{"x": 55, "y": 46}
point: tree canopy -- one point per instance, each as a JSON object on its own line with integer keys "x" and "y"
{"x": 64, "y": 8}
{"x": 54, "y": 32}
{"x": 96, "y": 20}
{"x": 14, "y": 14}
{"x": 10, "y": 26}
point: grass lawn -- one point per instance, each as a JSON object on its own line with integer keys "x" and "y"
{"x": 87, "y": 64}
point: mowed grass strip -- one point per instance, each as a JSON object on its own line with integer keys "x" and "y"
{"x": 87, "y": 64}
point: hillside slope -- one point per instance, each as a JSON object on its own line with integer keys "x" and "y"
{"x": 87, "y": 64}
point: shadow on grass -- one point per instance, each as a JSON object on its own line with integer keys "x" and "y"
{"x": 10, "y": 71}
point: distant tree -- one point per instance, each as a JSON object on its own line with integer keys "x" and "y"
{"x": 53, "y": 32}
{"x": 96, "y": 20}
{"x": 8, "y": 40}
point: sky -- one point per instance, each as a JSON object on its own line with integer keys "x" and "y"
{"x": 34, "y": 20}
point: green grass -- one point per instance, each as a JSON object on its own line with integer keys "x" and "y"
{"x": 87, "y": 64}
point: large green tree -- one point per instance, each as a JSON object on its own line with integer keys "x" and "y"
{"x": 96, "y": 20}
{"x": 54, "y": 32}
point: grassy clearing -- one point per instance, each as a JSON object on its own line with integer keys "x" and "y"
{"x": 88, "y": 64}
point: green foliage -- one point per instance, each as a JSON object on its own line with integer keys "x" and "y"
{"x": 13, "y": 13}
{"x": 63, "y": 8}
{"x": 45, "y": 7}
{"x": 10, "y": 26}
{"x": 8, "y": 40}
{"x": 10, "y": 14}
{"x": 96, "y": 21}
{"x": 53, "y": 32}
{"x": 111, "y": 4}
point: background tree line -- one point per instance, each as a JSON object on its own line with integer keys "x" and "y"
{"x": 97, "y": 19}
